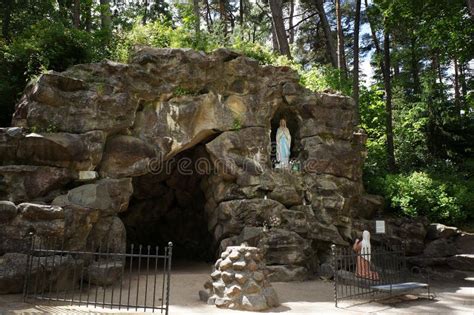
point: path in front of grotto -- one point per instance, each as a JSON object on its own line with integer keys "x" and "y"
{"x": 308, "y": 297}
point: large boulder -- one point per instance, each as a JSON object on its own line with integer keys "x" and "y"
{"x": 9, "y": 140}
{"x": 465, "y": 243}
{"x": 440, "y": 248}
{"x": 108, "y": 233}
{"x": 240, "y": 153}
{"x": 64, "y": 103}
{"x": 80, "y": 221}
{"x": 230, "y": 217}
{"x": 332, "y": 156}
{"x": 282, "y": 247}
{"x": 126, "y": 156}
{"x": 108, "y": 195}
{"x": 20, "y": 183}
{"x": 8, "y": 211}
{"x": 77, "y": 151}
{"x": 437, "y": 230}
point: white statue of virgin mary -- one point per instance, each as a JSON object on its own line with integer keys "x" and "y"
{"x": 283, "y": 144}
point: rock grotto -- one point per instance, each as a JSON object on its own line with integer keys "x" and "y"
{"x": 176, "y": 146}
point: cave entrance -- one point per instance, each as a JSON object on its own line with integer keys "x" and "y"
{"x": 169, "y": 206}
{"x": 293, "y": 126}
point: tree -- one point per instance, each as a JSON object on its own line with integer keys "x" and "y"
{"x": 355, "y": 71}
{"x": 223, "y": 15}
{"x": 88, "y": 15}
{"x": 197, "y": 16}
{"x": 76, "y": 13}
{"x": 105, "y": 15}
{"x": 279, "y": 27}
{"x": 388, "y": 102}
{"x": 341, "y": 56}
{"x": 291, "y": 27}
{"x": 330, "y": 47}
{"x": 8, "y": 7}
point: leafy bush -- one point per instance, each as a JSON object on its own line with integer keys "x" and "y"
{"x": 441, "y": 199}
{"x": 45, "y": 45}
{"x": 323, "y": 78}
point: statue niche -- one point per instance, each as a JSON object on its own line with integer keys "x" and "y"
{"x": 285, "y": 144}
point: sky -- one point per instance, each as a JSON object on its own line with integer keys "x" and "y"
{"x": 364, "y": 66}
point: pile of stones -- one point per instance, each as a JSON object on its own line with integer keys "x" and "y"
{"x": 240, "y": 281}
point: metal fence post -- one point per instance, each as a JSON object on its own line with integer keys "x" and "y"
{"x": 168, "y": 280}
{"x": 29, "y": 259}
{"x": 334, "y": 265}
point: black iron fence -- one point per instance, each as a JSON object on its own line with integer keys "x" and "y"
{"x": 135, "y": 279}
{"x": 380, "y": 274}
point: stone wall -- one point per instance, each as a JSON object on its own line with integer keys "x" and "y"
{"x": 81, "y": 138}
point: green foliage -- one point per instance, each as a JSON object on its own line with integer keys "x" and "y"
{"x": 317, "y": 78}
{"x": 441, "y": 199}
{"x": 432, "y": 150}
{"x": 162, "y": 34}
{"x": 326, "y": 78}
{"x": 45, "y": 45}
{"x": 180, "y": 91}
{"x": 237, "y": 124}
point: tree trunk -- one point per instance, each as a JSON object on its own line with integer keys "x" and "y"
{"x": 341, "y": 58}
{"x": 438, "y": 64}
{"x": 355, "y": 74}
{"x": 330, "y": 46}
{"x": 197, "y": 16}
{"x": 209, "y": 21}
{"x": 462, "y": 78}
{"x": 145, "y": 12}
{"x": 76, "y": 14}
{"x": 277, "y": 17}
{"x": 415, "y": 67}
{"x": 105, "y": 16}
{"x": 388, "y": 102}
{"x": 7, "y": 14}
{"x": 276, "y": 48}
{"x": 290, "y": 21}
{"x": 457, "y": 94}
{"x": 375, "y": 40}
{"x": 223, "y": 15}
{"x": 88, "y": 15}
{"x": 241, "y": 14}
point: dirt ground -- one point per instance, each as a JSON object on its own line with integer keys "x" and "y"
{"x": 309, "y": 297}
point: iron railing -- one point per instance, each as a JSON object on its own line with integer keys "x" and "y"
{"x": 381, "y": 274}
{"x": 138, "y": 278}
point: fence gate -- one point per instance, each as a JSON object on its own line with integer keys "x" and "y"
{"x": 138, "y": 279}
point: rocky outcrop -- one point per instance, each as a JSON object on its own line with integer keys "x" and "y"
{"x": 444, "y": 251}
{"x": 114, "y": 146}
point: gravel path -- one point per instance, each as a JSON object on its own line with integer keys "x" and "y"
{"x": 309, "y": 297}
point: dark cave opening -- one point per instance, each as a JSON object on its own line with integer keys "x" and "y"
{"x": 169, "y": 206}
